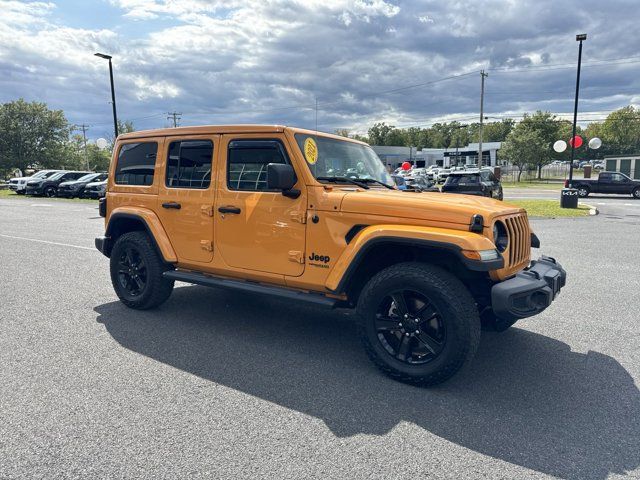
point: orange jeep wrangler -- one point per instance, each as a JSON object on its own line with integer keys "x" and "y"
{"x": 314, "y": 217}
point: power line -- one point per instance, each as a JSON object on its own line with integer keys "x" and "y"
{"x": 84, "y": 129}
{"x": 175, "y": 116}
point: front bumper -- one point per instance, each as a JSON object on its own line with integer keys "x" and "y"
{"x": 67, "y": 193}
{"x": 530, "y": 291}
{"x": 103, "y": 245}
{"x": 33, "y": 190}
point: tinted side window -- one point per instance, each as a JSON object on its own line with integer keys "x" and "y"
{"x": 189, "y": 164}
{"x": 247, "y": 162}
{"x": 136, "y": 162}
{"x": 616, "y": 177}
{"x": 605, "y": 177}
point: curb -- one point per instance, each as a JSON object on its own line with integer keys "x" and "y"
{"x": 592, "y": 209}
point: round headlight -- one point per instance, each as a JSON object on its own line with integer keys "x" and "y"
{"x": 500, "y": 236}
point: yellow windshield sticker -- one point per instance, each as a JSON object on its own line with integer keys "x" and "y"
{"x": 310, "y": 151}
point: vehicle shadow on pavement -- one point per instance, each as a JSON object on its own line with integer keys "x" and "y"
{"x": 526, "y": 399}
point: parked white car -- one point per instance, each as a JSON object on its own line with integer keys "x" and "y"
{"x": 19, "y": 184}
{"x": 443, "y": 174}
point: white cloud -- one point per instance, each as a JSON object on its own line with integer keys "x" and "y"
{"x": 210, "y": 59}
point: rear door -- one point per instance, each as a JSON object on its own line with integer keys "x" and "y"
{"x": 186, "y": 196}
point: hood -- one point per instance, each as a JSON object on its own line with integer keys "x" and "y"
{"x": 70, "y": 183}
{"x": 95, "y": 184}
{"x": 427, "y": 206}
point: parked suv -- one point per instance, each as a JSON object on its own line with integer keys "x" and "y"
{"x": 49, "y": 186}
{"x": 271, "y": 210}
{"x": 74, "y": 188}
{"x": 474, "y": 182}
{"x": 95, "y": 190}
{"x": 19, "y": 184}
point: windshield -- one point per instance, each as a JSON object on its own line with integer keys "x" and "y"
{"x": 56, "y": 176}
{"x": 463, "y": 180}
{"x": 88, "y": 177}
{"x": 329, "y": 157}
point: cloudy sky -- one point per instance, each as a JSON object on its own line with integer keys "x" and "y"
{"x": 409, "y": 63}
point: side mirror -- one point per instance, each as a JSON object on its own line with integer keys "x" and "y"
{"x": 281, "y": 176}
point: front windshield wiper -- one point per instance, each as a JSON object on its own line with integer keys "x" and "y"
{"x": 373, "y": 180}
{"x": 345, "y": 180}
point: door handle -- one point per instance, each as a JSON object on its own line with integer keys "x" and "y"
{"x": 175, "y": 205}
{"x": 229, "y": 210}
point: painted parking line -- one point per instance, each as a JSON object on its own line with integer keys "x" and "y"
{"x": 47, "y": 242}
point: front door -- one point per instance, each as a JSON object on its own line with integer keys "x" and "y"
{"x": 256, "y": 228}
{"x": 186, "y": 196}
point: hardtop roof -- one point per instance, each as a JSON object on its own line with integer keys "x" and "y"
{"x": 222, "y": 129}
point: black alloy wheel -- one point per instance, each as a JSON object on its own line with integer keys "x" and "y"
{"x": 409, "y": 327}
{"x": 50, "y": 192}
{"x": 132, "y": 272}
{"x": 418, "y": 322}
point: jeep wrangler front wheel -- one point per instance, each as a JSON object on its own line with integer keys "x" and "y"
{"x": 136, "y": 272}
{"x": 418, "y": 323}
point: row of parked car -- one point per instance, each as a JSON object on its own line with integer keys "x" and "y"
{"x": 468, "y": 180}
{"x": 61, "y": 183}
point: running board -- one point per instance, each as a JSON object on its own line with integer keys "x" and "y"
{"x": 282, "y": 292}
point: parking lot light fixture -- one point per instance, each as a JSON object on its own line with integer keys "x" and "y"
{"x": 113, "y": 92}
{"x": 569, "y": 197}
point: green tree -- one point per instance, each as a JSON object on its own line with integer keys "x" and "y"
{"x": 378, "y": 133}
{"x": 383, "y": 134}
{"x": 524, "y": 147}
{"x": 32, "y": 136}
{"x": 620, "y": 132}
{"x": 123, "y": 127}
{"x": 343, "y": 132}
{"x": 496, "y": 131}
{"x": 547, "y": 126}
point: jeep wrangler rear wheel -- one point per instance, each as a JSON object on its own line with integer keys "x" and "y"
{"x": 136, "y": 272}
{"x": 418, "y": 323}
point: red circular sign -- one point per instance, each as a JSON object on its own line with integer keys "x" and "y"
{"x": 576, "y": 141}
{"x": 406, "y": 166}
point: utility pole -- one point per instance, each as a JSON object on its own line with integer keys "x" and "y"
{"x": 84, "y": 129}
{"x": 483, "y": 75}
{"x": 175, "y": 116}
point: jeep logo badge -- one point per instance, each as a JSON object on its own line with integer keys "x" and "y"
{"x": 319, "y": 258}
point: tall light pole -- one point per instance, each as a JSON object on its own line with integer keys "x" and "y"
{"x": 483, "y": 75}
{"x": 579, "y": 38}
{"x": 113, "y": 92}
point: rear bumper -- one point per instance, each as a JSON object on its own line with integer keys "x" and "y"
{"x": 530, "y": 291}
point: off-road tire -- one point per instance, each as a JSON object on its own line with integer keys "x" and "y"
{"x": 458, "y": 312}
{"x": 157, "y": 289}
{"x": 583, "y": 192}
{"x": 636, "y": 193}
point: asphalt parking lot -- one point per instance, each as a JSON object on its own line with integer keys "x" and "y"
{"x": 217, "y": 385}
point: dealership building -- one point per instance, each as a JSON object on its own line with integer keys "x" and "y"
{"x": 627, "y": 164}
{"x": 444, "y": 157}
